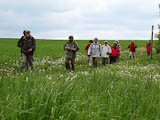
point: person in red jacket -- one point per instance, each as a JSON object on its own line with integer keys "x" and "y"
{"x": 132, "y": 49}
{"x": 86, "y": 49}
{"x": 148, "y": 47}
{"x": 115, "y": 53}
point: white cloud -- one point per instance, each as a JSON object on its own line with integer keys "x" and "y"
{"x": 107, "y": 19}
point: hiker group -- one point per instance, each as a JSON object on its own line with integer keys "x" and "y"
{"x": 109, "y": 53}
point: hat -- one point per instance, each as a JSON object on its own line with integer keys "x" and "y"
{"x": 27, "y": 31}
{"x": 95, "y": 38}
{"x": 71, "y": 37}
{"x": 105, "y": 41}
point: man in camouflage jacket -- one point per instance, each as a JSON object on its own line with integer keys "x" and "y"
{"x": 71, "y": 48}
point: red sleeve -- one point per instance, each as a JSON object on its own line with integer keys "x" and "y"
{"x": 87, "y": 47}
{"x": 128, "y": 46}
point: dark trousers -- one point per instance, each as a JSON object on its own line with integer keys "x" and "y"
{"x": 148, "y": 53}
{"x": 27, "y": 60}
{"x": 113, "y": 59}
{"x": 67, "y": 62}
{"x": 95, "y": 62}
{"x": 104, "y": 61}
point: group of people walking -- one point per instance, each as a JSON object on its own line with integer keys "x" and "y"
{"x": 95, "y": 50}
{"x": 108, "y": 53}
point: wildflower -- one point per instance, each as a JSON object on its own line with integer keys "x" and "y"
{"x": 26, "y": 79}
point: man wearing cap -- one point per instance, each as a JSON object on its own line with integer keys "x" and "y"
{"x": 95, "y": 52}
{"x": 106, "y": 51}
{"x": 27, "y": 44}
{"x": 71, "y": 48}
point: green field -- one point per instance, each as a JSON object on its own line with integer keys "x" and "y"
{"x": 127, "y": 90}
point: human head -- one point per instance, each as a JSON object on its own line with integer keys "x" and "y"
{"x": 132, "y": 41}
{"x": 71, "y": 38}
{"x": 95, "y": 40}
{"x": 106, "y": 42}
{"x": 27, "y": 32}
{"x": 116, "y": 41}
{"x": 91, "y": 41}
{"x": 150, "y": 41}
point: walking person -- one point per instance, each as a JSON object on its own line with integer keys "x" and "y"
{"x": 86, "y": 49}
{"x": 115, "y": 53}
{"x": 132, "y": 49}
{"x": 148, "y": 47}
{"x": 95, "y": 52}
{"x": 106, "y": 51}
{"x": 27, "y": 44}
{"x": 71, "y": 49}
{"x": 117, "y": 43}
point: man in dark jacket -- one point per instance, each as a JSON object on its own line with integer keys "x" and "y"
{"x": 71, "y": 48}
{"x": 27, "y": 44}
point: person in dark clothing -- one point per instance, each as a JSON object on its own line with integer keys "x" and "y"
{"x": 27, "y": 44}
{"x": 71, "y": 49}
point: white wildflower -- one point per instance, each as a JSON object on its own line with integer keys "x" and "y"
{"x": 26, "y": 79}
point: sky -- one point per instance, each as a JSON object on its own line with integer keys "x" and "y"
{"x": 84, "y": 19}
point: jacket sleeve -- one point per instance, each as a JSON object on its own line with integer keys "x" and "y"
{"x": 65, "y": 46}
{"x": 19, "y": 43}
{"x": 76, "y": 46}
{"x": 90, "y": 50}
{"x": 86, "y": 48}
{"x": 100, "y": 49}
{"x": 33, "y": 43}
{"x": 109, "y": 50}
{"x": 118, "y": 50}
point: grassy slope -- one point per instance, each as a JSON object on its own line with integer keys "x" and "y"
{"x": 120, "y": 91}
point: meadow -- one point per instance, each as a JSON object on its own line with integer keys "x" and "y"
{"x": 127, "y": 90}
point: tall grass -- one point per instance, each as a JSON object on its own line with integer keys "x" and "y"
{"x": 122, "y": 91}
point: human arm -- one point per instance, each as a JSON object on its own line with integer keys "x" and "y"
{"x": 33, "y": 45}
{"x": 19, "y": 43}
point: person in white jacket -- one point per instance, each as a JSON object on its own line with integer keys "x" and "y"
{"x": 95, "y": 52}
{"x": 106, "y": 51}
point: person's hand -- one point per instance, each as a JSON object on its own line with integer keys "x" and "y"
{"x": 67, "y": 48}
{"x": 30, "y": 50}
{"x": 73, "y": 49}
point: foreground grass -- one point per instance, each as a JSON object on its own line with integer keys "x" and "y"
{"x": 127, "y": 90}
